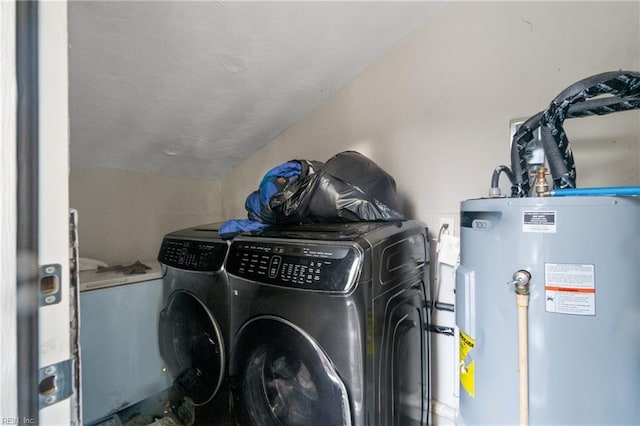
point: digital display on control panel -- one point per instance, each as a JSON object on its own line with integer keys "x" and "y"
{"x": 192, "y": 255}
{"x": 303, "y": 266}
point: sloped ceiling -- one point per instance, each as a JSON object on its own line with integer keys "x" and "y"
{"x": 194, "y": 88}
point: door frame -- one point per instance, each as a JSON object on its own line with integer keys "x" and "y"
{"x": 27, "y": 198}
{"x": 35, "y": 217}
{"x": 8, "y": 211}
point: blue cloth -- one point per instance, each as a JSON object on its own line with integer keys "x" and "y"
{"x": 235, "y": 226}
{"x": 274, "y": 181}
{"x": 276, "y": 178}
{"x": 257, "y": 203}
{"x": 252, "y": 205}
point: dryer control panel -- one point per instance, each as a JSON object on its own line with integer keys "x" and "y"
{"x": 317, "y": 267}
{"x": 191, "y": 255}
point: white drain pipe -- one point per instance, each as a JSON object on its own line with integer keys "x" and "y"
{"x": 521, "y": 280}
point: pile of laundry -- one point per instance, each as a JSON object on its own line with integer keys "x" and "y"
{"x": 348, "y": 187}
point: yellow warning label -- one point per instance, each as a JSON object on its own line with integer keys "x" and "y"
{"x": 466, "y": 344}
{"x": 467, "y": 376}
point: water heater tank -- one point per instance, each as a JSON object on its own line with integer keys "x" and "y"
{"x": 583, "y": 254}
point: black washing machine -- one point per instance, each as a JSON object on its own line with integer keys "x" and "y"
{"x": 194, "y": 323}
{"x": 329, "y": 325}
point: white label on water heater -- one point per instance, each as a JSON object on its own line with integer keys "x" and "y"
{"x": 570, "y": 288}
{"x": 537, "y": 221}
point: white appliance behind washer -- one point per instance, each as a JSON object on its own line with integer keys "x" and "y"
{"x": 121, "y": 364}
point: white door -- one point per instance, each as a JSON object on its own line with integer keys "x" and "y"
{"x": 58, "y": 355}
{"x": 39, "y": 376}
{"x": 58, "y": 352}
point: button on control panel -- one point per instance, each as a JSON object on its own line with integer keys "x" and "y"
{"x": 274, "y": 266}
{"x": 311, "y": 267}
{"x": 192, "y": 255}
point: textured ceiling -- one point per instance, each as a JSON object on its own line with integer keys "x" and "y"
{"x": 194, "y": 88}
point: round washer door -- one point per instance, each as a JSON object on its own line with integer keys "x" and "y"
{"x": 285, "y": 378}
{"x": 192, "y": 346}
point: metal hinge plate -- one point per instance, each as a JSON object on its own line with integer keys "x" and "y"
{"x": 55, "y": 383}
{"x": 50, "y": 284}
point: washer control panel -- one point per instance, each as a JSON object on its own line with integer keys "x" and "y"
{"x": 193, "y": 255}
{"x": 296, "y": 265}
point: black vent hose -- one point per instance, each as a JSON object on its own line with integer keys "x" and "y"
{"x": 624, "y": 86}
{"x": 495, "y": 179}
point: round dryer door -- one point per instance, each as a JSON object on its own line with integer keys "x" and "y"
{"x": 191, "y": 345}
{"x": 286, "y": 379}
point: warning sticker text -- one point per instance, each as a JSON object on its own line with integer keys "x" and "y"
{"x": 570, "y": 288}
{"x": 534, "y": 221}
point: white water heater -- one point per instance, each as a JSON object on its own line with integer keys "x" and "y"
{"x": 583, "y": 344}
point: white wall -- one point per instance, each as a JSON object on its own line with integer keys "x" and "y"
{"x": 122, "y": 216}
{"x": 8, "y": 345}
{"x": 434, "y": 112}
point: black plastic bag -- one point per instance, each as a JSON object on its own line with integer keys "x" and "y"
{"x": 291, "y": 204}
{"x": 349, "y": 187}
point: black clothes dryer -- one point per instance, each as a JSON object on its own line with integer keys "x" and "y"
{"x": 194, "y": 323}
{"x": 329, "y": 325}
